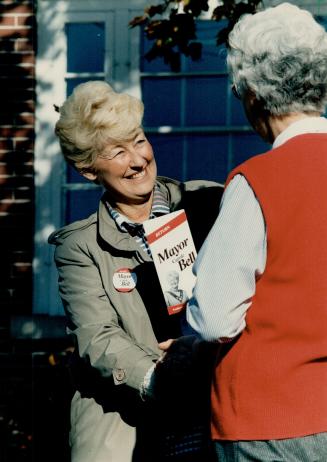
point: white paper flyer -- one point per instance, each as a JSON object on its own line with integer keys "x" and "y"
{"x": 173, "y": 252}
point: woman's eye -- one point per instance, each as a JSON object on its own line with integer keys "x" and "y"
{"x": 117, "y": 153}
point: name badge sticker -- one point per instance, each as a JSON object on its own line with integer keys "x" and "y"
{"x": 124, "y": 280}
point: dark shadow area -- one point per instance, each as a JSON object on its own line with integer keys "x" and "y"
{"x": 17, "y": 94}
{"x": 35, "y": 397}
{"x": 52, "y": 392}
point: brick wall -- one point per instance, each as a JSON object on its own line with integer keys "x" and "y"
{"x": 17, "y": 101}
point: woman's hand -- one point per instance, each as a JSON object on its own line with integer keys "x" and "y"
{"x": 166, "y": 344}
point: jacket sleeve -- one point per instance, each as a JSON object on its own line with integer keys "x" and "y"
{"x": 93, "y": 320}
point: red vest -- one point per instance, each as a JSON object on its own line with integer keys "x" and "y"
{"x": 272, "y": 382}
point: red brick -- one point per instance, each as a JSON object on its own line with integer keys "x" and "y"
{"x": 14, "y": 181}
{"x": 5, "y": 156}
{"x": 5, "y": 207}
{"x": 17, "y": 275}
{"x": 25, "y": 119}
{"x": 16, "y": 31}
{"x": 25, "y": 106}
{"x": 22, "y": 79}
{"x": 10, "y": 5}
{"x": 7, "y": 44}
{"x": 16, "y": 157}
{"x": 7, "y": 21}
{"x": 6, "y": 194}
{"x": 28, "y": 21}
{"x": 17, "y": 84}
{"x": 28, "y": 59}
{"x": 17, "y": 58}
{"x": 8, "y": 119}
{"x": 16, "y": 132}
{"x": 15, "y": 70}
{"x": 6, "y": 170}
{"x": 24, "y": 145}
{"x": 16, "y": 7}
{"x": 22, "y": 267}
{"x": 6, "y": 145}
{"x": 23, "y": 45}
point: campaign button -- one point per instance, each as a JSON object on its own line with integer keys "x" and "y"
{"x": 124, "y": 280}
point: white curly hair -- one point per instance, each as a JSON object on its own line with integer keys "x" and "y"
{"x": 280, "y": 54}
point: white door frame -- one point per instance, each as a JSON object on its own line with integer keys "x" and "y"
{"x": 121, "y": 70}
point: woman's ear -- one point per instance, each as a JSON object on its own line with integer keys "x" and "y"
{"x": 89, "y": 174}
{"x": 251, "y": 101}
{"x": 258, "y": 116}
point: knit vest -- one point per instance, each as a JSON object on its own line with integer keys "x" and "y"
{"x": 271, "y": 383}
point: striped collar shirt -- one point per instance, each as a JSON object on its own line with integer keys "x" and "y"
{"x": 160, "y": 206}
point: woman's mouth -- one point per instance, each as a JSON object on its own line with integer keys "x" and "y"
{"x": 137, "y": 175}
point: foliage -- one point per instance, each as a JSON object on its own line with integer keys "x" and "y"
{"x": 171, "y": 25}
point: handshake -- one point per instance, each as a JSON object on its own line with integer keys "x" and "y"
{"x": 185, "y": 366}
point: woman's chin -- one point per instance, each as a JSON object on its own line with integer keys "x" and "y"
{"x": 141, "y": 186}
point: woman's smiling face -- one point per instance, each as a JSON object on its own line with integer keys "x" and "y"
{"x": 127, "y": 169}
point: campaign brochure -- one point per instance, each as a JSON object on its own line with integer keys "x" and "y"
{"x": 173, "y": 252}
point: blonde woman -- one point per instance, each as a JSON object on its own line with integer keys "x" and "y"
{"x": 109, "y": 288}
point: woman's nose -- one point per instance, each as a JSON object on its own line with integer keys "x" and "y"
{"x": 136, "y": 159}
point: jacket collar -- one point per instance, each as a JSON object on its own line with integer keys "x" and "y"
{"x": 108, "y": 229}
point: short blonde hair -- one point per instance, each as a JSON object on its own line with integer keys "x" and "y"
{"x": 93, "y": 116}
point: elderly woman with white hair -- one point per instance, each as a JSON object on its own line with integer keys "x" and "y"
{"x": 111, "y": 293}
{"x": 266, "y": 299}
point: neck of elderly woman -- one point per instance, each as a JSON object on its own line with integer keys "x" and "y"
{"x": 279, "y": 123}
{"x": 266, "y": 124}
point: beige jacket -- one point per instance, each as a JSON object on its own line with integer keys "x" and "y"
{"x": 115, "y": 341}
